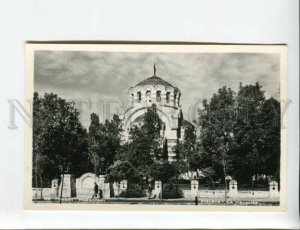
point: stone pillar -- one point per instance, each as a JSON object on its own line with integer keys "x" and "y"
{"x": 117, "y": 190}
{"x": 157, "y": 191}
{"x": 135, "y": 98}
{"x": 175, "y": 99}
{"x": 105, "y": 187}
{"x": 143, "y": 96}
{"x": 194, "y": 188}
{"x": 163, "y": 97}
{"x": 69, "y": 189}
{"x": 120, "y": 188}
{"x": 178, "y": 99}
{"x": 153, "y": 96}
{"x": 233, "y": 189}
{"x": 171, "y": 99}
{"x": 123, "y": 185}
{"x": 101, "y": 179}
{"x": 273, "y": 189}
{"x": 54, "y": 188}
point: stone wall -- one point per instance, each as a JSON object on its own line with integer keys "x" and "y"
{"x": 84, "y": 188}
{"x": 221, "y": 193}
{"x": 68, "y": 186}
{"x": 37, "y": 192}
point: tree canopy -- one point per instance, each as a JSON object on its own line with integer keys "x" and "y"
{"x": 242, "y": 131}
{"x": 58, "y": 137}
{"x": 103, "y": 142}
{"x": 143, "y": 150}
{"x": 239, "y": 137}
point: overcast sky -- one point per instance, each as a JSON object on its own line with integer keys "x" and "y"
{"x": 95, "y": 76}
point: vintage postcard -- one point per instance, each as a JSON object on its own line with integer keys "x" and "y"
{"x": 156, "y": 127}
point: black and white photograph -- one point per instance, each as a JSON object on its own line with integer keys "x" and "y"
{"x": 156, "y": 126}
{"x": 149, "y": 114}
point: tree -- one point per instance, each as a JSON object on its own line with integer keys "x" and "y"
{"x": 123, "y": 170}
{"x": 252, "y": 129}
{"x": 103, "y": 142}
{"x": 37, "y": 138}
{"x": 241, "y": 132}
{"x": 142, "y": 150}
{"x": 39, "y": 164}
{"x": 139, "y": 152}
{"x": 58, "y": 135}
{"x": 164, "y": 172}
{"x": 112, "y": 132}
{"x": 150, "y": 129}
{"x": 271, "y": 137}
{"x": 217, "y": 140}
{"x": 187, "y": 152}
{"x": 95, "y": 140}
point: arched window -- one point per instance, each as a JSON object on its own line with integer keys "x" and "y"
{"x": 168, "y": 97}
{"x": 139, "y": 96}
{"x": 158, "y": 96}
{"x": 148, "y": 96}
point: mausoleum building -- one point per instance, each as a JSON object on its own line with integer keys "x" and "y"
{"x": 166, "y": 97}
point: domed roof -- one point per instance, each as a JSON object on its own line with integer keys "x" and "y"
{"x": 154, "y": 80}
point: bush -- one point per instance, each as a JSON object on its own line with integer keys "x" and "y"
{"x": 171, "y": 191}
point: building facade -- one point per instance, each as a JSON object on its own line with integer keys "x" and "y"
{"x": 155, "y": 90}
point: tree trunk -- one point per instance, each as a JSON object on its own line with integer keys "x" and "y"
{"x": 41, "y": 181}
{"x": 36, "y": 181}
{"x": 161, "y": 194}
{"x": 62, "y": 185}
{"x": 141, "y": 189}
{"x": 213, "y": 183}
{"x": 95, "y": 171}
{"x": 224, "y": 170}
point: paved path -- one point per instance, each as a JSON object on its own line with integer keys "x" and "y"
{"x": 180, "y": 201}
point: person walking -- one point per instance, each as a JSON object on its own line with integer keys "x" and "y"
{"x": 95, "y": 190}
{"x": 149, "y": 191}
{"x": 100, "y": 194}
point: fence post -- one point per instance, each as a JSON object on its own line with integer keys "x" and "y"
{"x": 157, "y": 189}
{"x": 194, "y": 188}
{"x": 233, "y": 188}
{"x": 105, "y": 187}
{"x": 67, "y": 186}
{"x": 54, "y": 188}
{"x": 273, "y": 189}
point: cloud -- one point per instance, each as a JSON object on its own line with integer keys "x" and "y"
{"x": 105, "y": 75}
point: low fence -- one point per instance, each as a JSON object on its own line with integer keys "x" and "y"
{"x": 41, "y": 193}
{"x": 83, "y": 187}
